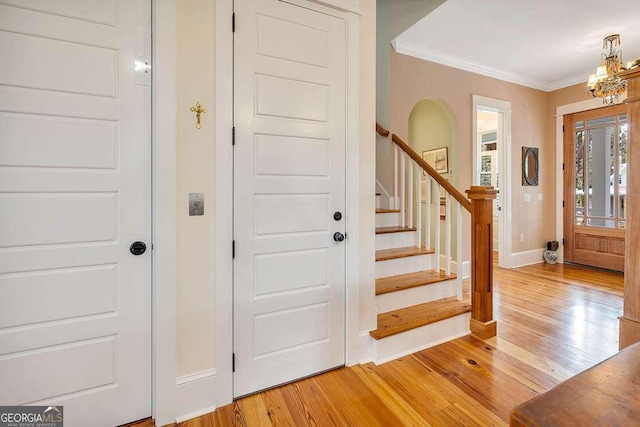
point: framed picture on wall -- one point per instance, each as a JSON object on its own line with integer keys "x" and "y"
{"x": 437, "y": 159}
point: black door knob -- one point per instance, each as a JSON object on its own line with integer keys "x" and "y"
{"x": 138, "y": 248}
{"x": 337, "y": 216}
{"x": 338, "y": 237}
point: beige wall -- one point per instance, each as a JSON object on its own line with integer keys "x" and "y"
{"x": 431, "y": 127}
{"x": 413, "y": 79}
{"x": 194, "y": 290}
{"x": 393, "y": 18}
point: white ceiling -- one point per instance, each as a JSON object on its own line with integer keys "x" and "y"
{"x": 544, "y": 44}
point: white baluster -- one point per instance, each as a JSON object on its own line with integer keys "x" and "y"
{"x": 395, "y": 176}
{"x": 459, "y": 251}
{"x": 427, "y": 210}
{"x": 403, "y": 189}
{"x": 436, "y": 239}
{"x": 418, "y": 173}
{"x": 447, "y": 219}
{"x": 410, "y": 204}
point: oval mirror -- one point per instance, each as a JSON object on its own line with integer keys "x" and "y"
{"x": 530, "y": 166}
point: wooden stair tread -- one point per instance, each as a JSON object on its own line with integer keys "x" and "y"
{"x": 410, "y": 280}
{"x": 385, "y": 254}
{"x": 382, "y": 211}
{"x": 395, "y": 229}
{"x": 405, "y": 319}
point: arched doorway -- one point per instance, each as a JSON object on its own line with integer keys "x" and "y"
{"x": 433, "y": 131}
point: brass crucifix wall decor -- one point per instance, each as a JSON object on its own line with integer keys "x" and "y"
{"x": 198, "y": 110}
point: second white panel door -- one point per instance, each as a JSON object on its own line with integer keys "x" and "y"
{"x": 289, "y": 181}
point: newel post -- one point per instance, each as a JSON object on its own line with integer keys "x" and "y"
{"x": 630, "y": 320}
{"x": 482, "y": 323}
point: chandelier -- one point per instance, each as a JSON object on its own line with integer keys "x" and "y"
{"x": 606, "y": 83}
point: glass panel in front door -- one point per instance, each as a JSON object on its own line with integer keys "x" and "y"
{"x": 600, "y": 171}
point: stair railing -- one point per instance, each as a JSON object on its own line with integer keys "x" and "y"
{"x": 408, "y": 166}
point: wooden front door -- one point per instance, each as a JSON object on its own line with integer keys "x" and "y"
{"x": 595, "y": 176}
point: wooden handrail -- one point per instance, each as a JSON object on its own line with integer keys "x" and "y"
{"x": 381, "y": 131}
{"x": 464, "y": 202}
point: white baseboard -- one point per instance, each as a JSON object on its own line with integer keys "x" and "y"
{"x": 195, "y": 394}
{"x": 466, "y": 267}
{"x": 365, "y": 347}
{"x": 387, "y": 200}
{"x": 520, "y": 259}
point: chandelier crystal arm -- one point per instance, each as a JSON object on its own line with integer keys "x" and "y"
{"x": 606, "y": 83}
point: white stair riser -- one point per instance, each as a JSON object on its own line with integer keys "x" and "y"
{"x": 414, "y": 296}
{"x": 396, "y": 240}
{"x": 388, "y": 219}
{"x": 410, "y": 264}
{"x": 399, "y": 345}
{"x": 378, "y": 201}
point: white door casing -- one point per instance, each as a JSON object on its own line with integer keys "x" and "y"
{"x": 75, "y": 192}
{"x": 503, "y": 108}
{"x": 289, "y": 179}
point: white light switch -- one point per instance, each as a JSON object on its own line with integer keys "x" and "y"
{"x": 527, "y": 197}
{"x": 539, "y": 197}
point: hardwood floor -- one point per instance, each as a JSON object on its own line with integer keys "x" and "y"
{"x": 553, "y": 322}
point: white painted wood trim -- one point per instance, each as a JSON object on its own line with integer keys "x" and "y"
{"x": 466, "y": 267}
{"x": 395, "y": 176}
{"x": 366, "y": 347}
{"x": 194, "y": 414}
{"x": 194, "y": 395}
{"x": 411, "y": 341}
{"x": 561, "y": 111}
{"x": 384, "y": 193}
{"x": 437, "y": 240}
{"x": 459, "y": 265}
{"x": 185, "y": 379}
{"x": 443, "y": 58}
{"x": 164, "y": 102}
{"x": 353, "y": 355}
{"x": 505, "y": 233}
{"x": 330, "y": 7}
{"x": 223, "y": 201}
{"x": 520, "y": 259}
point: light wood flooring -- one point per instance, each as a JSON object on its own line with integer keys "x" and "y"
{"x": 553, "y": 322}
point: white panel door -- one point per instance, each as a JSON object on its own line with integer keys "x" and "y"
{"x": 75, "y": 179}
{"x": 289, "y": 179}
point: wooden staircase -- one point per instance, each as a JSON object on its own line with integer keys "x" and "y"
{"x": 416, "y": 304}
{"x": 420, "y": 298}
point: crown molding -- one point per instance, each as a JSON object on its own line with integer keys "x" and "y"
{"x": 569, "y": 81}
{"x": 411, "y": 49}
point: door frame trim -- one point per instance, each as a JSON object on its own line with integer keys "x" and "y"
{"x": 164, "y": 215}
{"x": 505, "y": 232}
{"x": 561, "y": 111}
{"x": 223, "y": 194}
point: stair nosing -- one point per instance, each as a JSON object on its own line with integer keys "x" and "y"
{"x": 389, "y": 230}
{"x": 387, "y": 211}
{"x": 417, "y": 284}
{"x": 463, "y": 306}
{"x": 423, "y": 251}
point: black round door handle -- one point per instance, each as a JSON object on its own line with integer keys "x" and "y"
{"x": 138, "y": 248}
{"x": 338, "y": 237}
